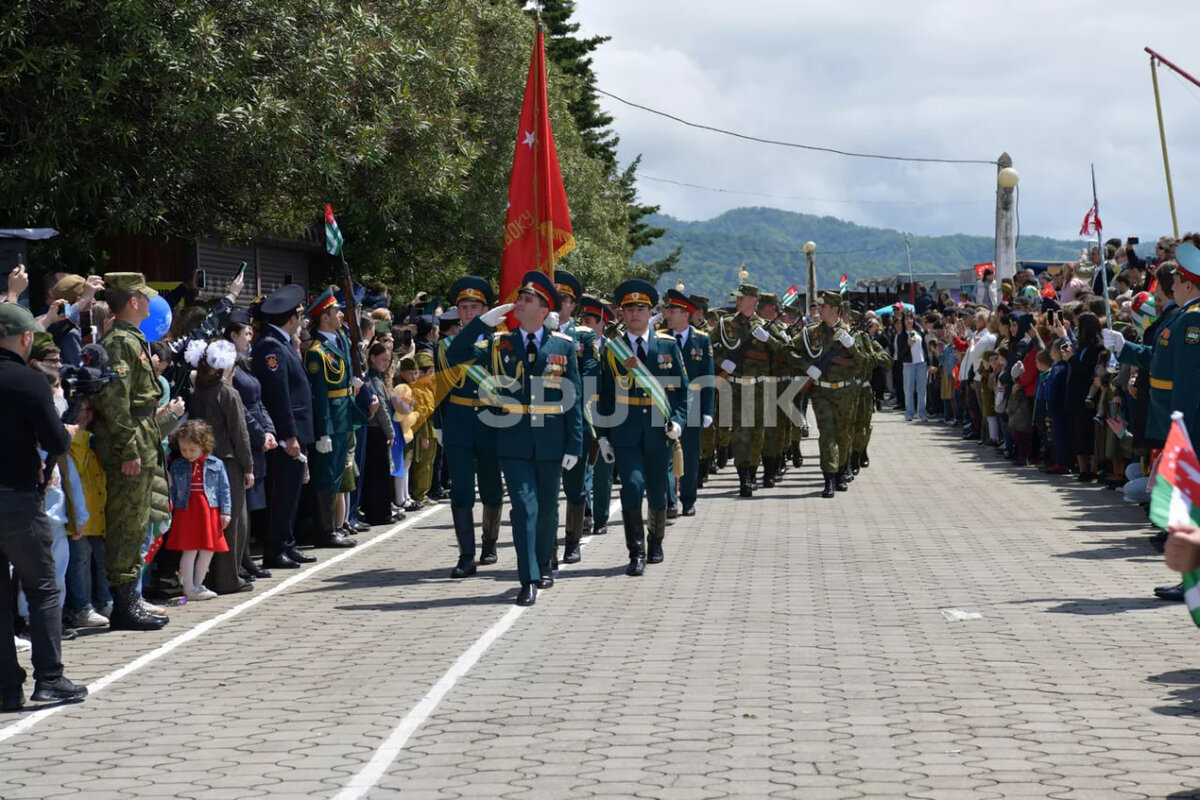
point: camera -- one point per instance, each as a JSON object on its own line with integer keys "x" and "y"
{"x": 85, "y": 380}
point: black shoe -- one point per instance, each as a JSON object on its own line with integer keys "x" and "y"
{"x": 464, "y": 569}
{"x": 847, "y": 473}
{"x": 1173, "y": 594}
{"x": 59, "y": 690}
{"x": 654, "y": 554}
{"x": 828, "y": 490}
{"x": 744, "y": 487}
{"x": 259, "y": 572}
{"x": 863, "y": 461}
{"x": 672, "y": 512}
{"x": 587, "y": 522}
{"x": 12, "y": 700}
{"x": 689, "y": 511}
{"x": 853, "y": 463}
{"x": 358, "y": 526}
{"x": 339, "y": 539}
{"x": 487, "y": 553}
{"x": 600, "y": 529}
{"x": 1159, "y": 541}
{"x": 768, "y": 481}
{"x": 528, "y": 595}
{"x": 571, "y": 554}
{"x": 839, "y": 482}
{"x": 246, "y": 576}
{"x": 637, "y": 565}
{"x": 128, "y": 614}
{"x": 298, "y": 557}
{"x": 546, "y": 581}
{"x": 281, "y": 561}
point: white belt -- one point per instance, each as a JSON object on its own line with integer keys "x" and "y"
{"x": 745, "y": 381}
{"x": 834, "y": 384}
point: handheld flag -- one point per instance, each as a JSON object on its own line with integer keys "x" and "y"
{"x": 981, "y": 268}
{"x": 790, "y": 296}
{"x": 842, "y": 285}
{"x": 1175, "y": 486}
{"x": 333, "y": 236}
{"x": 1049, "y": 292}
{"x": 1091, "y": 222}
{"x": 537, "y": 228}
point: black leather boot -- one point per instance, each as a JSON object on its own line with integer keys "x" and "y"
{"x": 658, "y": 527}
{"x": 828, "y": 490}
{"x": 752, "y": 471}
{"x": 847, "y": 475}
{"x": 489, "y": 534}
{"x": 768, "y": 464}
{"x": 863, "y": 461}
{"x": 797, "y": 458}
{"x": 128, "y": 614}
{"x": 744, "y": 487}
{"x": 854, "y": 463}
{"x": 464, "y": 531}
{"x": 635, "y": 542}
{"x": 574, "y": 532}
{"x": 839, "y": 481}
{"x": 722, "y": 457}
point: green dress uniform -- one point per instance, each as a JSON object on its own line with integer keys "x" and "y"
{"x": 696, "y": 351}
{"x": 538, "y": 421}
{"x": 708, "y": 436}
{"x": 821, "y": 351}
{"x": 873, "y": 356}
{"x": 127, "y": 428}
{"x": 777, "y": 440}
{"x": 600, "y": 472}
{"x": 628, "y": 422}
{"x": 1175, "y": 369}
{"x": 574, "y": 480}
{"x": 469, "y": 443}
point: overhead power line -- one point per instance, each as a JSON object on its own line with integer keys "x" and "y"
{"x": 796, "y": 145}
{"x": 811, "y": 199}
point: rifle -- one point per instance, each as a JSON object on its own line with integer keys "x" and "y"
{"x": 834, "y": 350}
{"x": 356, "y": 354}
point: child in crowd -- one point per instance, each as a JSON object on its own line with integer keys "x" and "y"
{"x": 405, "y": 421}
{"x": 425, "y": 449}
{"x": 88, "y": 601}
{"x": 1041, "y": 419}
{"x": 203, "y": 504}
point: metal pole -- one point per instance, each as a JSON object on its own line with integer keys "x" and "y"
{"x": 912, "y": 287}
{"x": 1162, "y": 137}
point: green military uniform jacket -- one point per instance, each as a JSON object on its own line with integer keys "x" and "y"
{"x": 817, "y": 345}
{"x": 126, "y": 426}
{"x": 331, "y": 377}
{"x": 733, "y": 341}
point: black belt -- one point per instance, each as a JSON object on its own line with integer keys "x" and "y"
{"x": 142, "y": 413}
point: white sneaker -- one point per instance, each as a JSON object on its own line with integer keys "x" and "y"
{"x": 22, "y": 644}
{"x": 151, "y": 607}
{"x": 105, "y": 610}
{"x": 84, "y": 618}
{"x": 201, "y": 593}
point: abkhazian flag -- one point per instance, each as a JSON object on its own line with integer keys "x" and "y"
{"x": 1175, "y": 486}
{"x": 333, "y": 236}
{"x": 790, "y": 296}
{"x": 842, "y": 285}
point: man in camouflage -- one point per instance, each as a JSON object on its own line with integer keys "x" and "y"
{"x": 828, "y": 353}
{"x": 873, "y": 356}
{"x": 777, "y": 442}
{"x": 128, "y": 440}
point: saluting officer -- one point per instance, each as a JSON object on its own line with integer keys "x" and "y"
{"x": 469, "y": 442}
{"x": 335, "y": 414}
{"x": 287, "y": 396}
{"x": 828, "y": 354}
{"x": 575, "y": 479}
{"x": 594, "y": 313}
{"x": 696, "y": 350}
{"x": 539, "y": 425}
{"x": 630, "y": 428}
{"x": 129, "y": 445}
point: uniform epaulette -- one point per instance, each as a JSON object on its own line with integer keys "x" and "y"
{"x": 662, "y": 335}
{"x": 700, "y": 333}
{"x": 500, "y": 334}
{"x": 562, "y": 336}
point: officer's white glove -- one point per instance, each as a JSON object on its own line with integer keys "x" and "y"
{"x": 569, "y": 462}
{"x": 1113, "y": 340}
{"x": 847, "y": 339}
{"x": 761, "y": 333}
{"x": 657, "y": 318}
{"x": 1018, "y": 369}
{"x": 606, "y": 450}
{"x": 492, "y": 316}
{"x": 706, "y": 420}
{"x": 728, "y": 366}
{"x": 437, "y": 434}
{"x": 356, "y": 382}
{"x": 324, "y": 445}
{"x": 673, "y": 430}
{"x": 552, "y": 320}
{"x": 813, "y": 372}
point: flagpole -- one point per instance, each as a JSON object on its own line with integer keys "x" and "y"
{"x": 1113, "y": 363}
{"x": 1162, "y": 138}
{"x": 537, "y": 98}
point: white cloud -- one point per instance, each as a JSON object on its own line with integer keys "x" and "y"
{"x": 1057, "y": 85}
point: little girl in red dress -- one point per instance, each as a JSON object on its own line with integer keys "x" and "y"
{"x": 202, "y": 505}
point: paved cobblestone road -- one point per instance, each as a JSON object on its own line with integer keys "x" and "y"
{"x": 790, "y": 647}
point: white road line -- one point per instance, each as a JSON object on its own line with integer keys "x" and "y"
{"x": 366, "y": 778}
{"x": 204, "y": 627}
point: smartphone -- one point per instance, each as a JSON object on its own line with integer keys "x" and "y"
{"x": 1133, "y": 240}
{"x": 240, "y": 270}
{"x": 201, "y": 279}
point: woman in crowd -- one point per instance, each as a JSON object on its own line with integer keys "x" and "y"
{"x": 259, "y": 427}
{"x": 376, "y": 503}
{"x": 912, "y": 351}
{"x": 1081, "y": 401}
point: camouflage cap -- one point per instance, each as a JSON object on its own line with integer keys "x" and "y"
{"x": 829, "y": 298}
{"x": 16, "y": 319}
{"x": 128, "y": 282}
{"x": 746, "y": 290}
{"x": 768, "y": 299}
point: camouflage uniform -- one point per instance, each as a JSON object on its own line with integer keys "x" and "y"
{"x": 778, "y": 442}
{"x": 873, "y": 356}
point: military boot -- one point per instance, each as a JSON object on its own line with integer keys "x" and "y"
{"x": 752, "y": 471}
{"x": 768, "y": 464}
{"x": 658, "y": 527}
{"x": 828, "y": 490}
{"x": 635, "y": 542}
{"x": 574, "y": 532}
{"x": 128, "y": 614}
{"x": 854, "y": 463}
{"x": 722, "y": 457}
{"x": 839, "y": 481}
{"x": 797, "y": 457}
{"x": 464, "y": 532}
{"x": 702, "y": 473}
{"x": 863, "y": 461}
{"x": 745, "y": 489}
{"x": 490, "y": 534}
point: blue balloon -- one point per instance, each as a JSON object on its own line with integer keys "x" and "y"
{"x": 158, "y": 323}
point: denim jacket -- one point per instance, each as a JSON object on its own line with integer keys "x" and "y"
{"x": 216, "y": 484}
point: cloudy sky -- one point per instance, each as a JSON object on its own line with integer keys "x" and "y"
{"x": 1057, "y": 85}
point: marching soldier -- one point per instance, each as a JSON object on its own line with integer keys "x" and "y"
{"x": 829, "y": 355}
{"x": 594, "y": 314}
{"x": 873, "y": 356}
{"x": 776, "y": 445}
{"x": 708, "y": 436}
{"x": 743, "y": 347}
{"x": 469, "y": 442}
{"x": 574, "y": 480}
{"x": 128, "y": 442}
{"x": 335, "y": 414}
{"x": 639, "y": 418}
{"x": 696, "y": 350}
{"x": 539, "y": 424}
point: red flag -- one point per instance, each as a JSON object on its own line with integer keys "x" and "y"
{"x": 979, "y": 268}
{"x": 1091, "y": 222}
{"x": 537, "y": 229}
{"x": 1048, "y": 291}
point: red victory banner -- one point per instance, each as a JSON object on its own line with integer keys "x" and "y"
{"x": 537, "y": 229}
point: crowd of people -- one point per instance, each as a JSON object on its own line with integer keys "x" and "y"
{"x": 1053, "y": 373}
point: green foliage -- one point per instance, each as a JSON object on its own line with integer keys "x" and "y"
{"x": 770, "y": 244}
